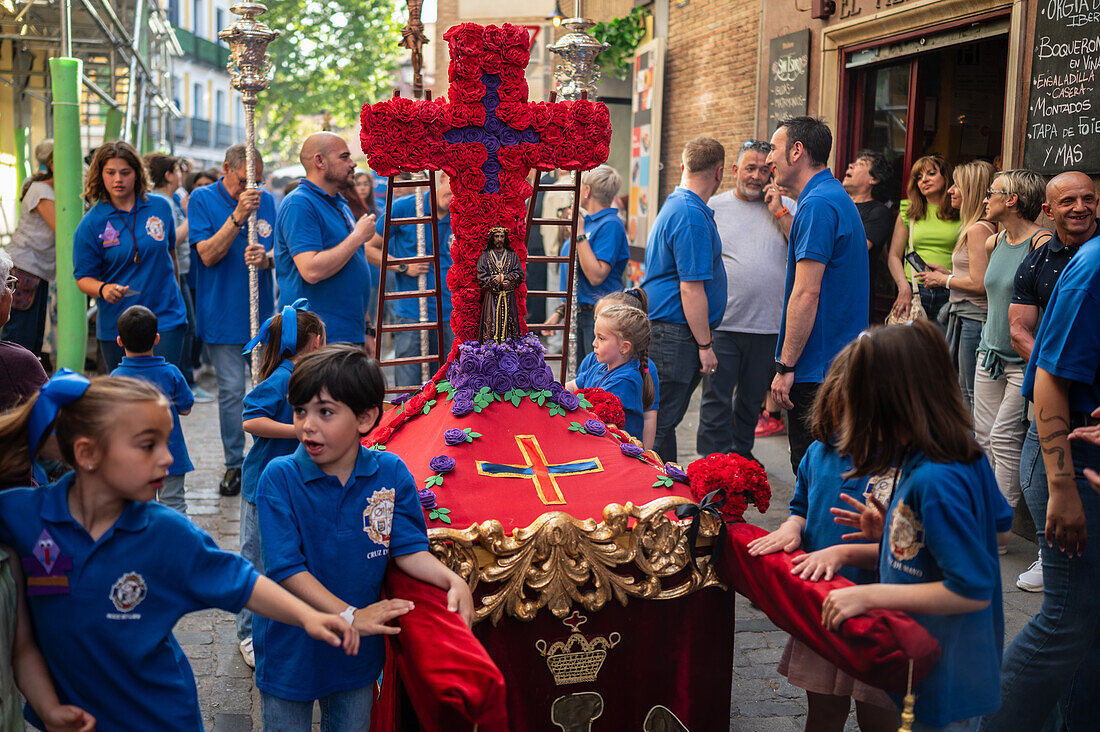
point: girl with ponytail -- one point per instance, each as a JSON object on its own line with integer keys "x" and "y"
{"x": 636, "y": 297}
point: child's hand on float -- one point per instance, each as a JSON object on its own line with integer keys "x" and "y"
{"x": 869, "y": 518}
{"x": 375, "y": 619}
{"x": 332, "y": 629}
{"x": 820, "y": 565}
{"x": 787, "y": 538}
{"x": 844, "y": 603}
{"x": 67, "y": 718}
{"x": 460, "y": 600}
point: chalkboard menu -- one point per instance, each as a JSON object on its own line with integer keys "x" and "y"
{"x": 788, "y": 77}
{"x": 1063, "y": 115}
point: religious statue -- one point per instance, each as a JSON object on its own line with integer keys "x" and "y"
{"x": 413, "y": 38}
{"x": 499, "y": 275}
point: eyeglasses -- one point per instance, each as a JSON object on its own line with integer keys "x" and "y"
{"x": 990, "y": 193}
{"x": 10, "y": 283}
{"x": 761, "y": 145}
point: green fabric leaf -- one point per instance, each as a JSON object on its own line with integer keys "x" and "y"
{"x": 663, "y": 482}
{"x": 475, "y": 434}
{"x": 444, "y": 386}
{"x": 377, "y": 447}
{"x": 427, "y": 406}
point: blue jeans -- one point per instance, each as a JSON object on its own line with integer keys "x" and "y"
{"x": 734, "y": 394}
{"x": 342, "y": 711}
{"x": 250, "y": 550}
{"x": 1055, "y": 659}
{"x": 169, "y": 347}
{"x": 171, "y": 493}
{"x": 28, "y": 327}
{"x": 676, "y": 357}
{"x": 186, "y": 365}
{"x": 231, "y": 367}
{"x": 970, "y": 335}
{"x": 586, "y": 330}
{"x": 934, "y": 298}
{"x": 406, "y": 344}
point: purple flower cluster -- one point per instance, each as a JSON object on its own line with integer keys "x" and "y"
{"x": 401, "y": 398}
{"x": 427, "y": 498}
{"x": 518, "y": 363}
{"x": 676, "y": 473}
{"x": 442, "y": 464}
{"x": 454, "y": 436}
{"x": 595, "y": 427}
{"x": 631, "y": 450}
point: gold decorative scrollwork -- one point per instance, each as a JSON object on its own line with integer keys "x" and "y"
{"x": 559, "y": 561}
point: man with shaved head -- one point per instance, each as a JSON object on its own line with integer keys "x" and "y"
{"x": 319, "y": 244}
{"x": 1055, "y": 660}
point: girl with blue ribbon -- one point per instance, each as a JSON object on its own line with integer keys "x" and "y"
{"x": 105, "y": 631}
{"x": 269, "y": 418}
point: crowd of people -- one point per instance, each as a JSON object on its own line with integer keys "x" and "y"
{"x": 923, "y": 435}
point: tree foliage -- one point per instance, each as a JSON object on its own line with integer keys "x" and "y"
{"x": 331, "y": 56}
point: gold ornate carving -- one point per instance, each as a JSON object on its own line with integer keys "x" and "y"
{"x": 559, "y": 561}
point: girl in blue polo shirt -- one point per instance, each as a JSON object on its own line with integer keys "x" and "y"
{"x": 109, "y": 571}
{"x": 621, "y": 362}
{"x": 269, "y": 418}
{"x": 937, "y": 558}
{"x": 820, "y": 484}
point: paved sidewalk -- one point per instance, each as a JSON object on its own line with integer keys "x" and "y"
{"x": 762, "y": 699}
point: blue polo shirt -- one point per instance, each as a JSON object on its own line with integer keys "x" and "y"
{"x": 817, "y": 488}
{"x": 607, "y": 237}
{"x": 267, "y": 399}
{"x": 343, "y": 536}
{"x": 827, "y": 229}
{"x": 221, "y": 291}
{"x": 942, "y": 526}
{"x": 624, "y": 382}
{"x": 166, "y": 377}
{"x": 1068, "y": 342}
{"x": 403, "y": 244}
{"x": 104, "y": 610}
{"x": 103, "y": 248}
{"x": 684, "y": 246}
{"x": 310, "y": 220}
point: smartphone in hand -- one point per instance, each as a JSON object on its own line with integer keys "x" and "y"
{"x": 916, "y": 262}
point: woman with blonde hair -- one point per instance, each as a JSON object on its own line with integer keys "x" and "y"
{"x": 966, "y": 279}
{"x": 927, "y": 224}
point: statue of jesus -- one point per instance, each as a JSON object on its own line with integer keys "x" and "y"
{"x": 499, "y": 274}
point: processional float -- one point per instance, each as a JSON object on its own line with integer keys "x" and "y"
{"x": 603, "y": 577}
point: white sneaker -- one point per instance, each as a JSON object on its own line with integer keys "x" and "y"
{"x": 1032, "y": 579}
{"x": 247, "y": 652}
{"x": 1002, "y": 549}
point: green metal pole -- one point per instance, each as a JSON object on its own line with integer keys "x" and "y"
{"x": 112, "y": 129}
{"x": 22, "y": 161}
{"x": 72, "y": 306}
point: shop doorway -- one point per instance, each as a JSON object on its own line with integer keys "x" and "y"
{"x": 906, "y": 102}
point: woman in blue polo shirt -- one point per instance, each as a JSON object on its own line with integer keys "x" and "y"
{"x": 124, "y": 252}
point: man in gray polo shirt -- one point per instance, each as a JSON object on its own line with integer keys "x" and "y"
{"x": 753, "y": 220}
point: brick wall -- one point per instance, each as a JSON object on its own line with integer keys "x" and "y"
{"x": 710, "y": 78}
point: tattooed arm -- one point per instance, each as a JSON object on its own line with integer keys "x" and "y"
{"x": 1065, "y": 525}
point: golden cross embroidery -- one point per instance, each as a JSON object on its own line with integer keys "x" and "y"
{"x": 538, "y": 469}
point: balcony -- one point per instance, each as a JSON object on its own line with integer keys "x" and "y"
{"x": 202, "y": 50}
{"x": 179, "y": 129}
{"x": 200, "y": 132}
{"x": 223, "y": 135}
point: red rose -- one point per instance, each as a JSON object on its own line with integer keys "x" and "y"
{"x": 467, "y": 91}
{"x": 491, "y": 63}
{"x": 464, "y": 39}
{"x": 582, "y": 112}
{"x": 381, "y": 435}
{"x": 512, "y": 91}
{"x": 516, "y": 114}
{"x": 517, "y": 49}
{"x": 472, "y": 179}
{"x": 383, "y": 163}
{"x": 466, "y": 68}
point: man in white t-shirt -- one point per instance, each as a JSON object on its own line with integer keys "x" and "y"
{"x": 753, "y": 220}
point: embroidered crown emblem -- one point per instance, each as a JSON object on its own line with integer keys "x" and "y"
{"x": 578, "y": 658}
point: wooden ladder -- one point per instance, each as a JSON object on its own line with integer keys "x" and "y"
{"x": 436, "y": 293}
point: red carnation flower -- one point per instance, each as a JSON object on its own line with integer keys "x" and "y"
{"x": 744, "y": 481}
{"x": 606, "y": 406}
{"x": 464, "y": 39}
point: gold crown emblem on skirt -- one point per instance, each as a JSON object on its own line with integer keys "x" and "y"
{"x": 577, "y": 659}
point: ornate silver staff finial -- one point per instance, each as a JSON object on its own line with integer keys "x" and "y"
{"x": 249, "y": 68}
{"x": 577, "y": 73}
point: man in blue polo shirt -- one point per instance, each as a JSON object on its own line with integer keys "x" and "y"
{"x": 319, "y": 244}
{"x": 218, "y": 218}
{"x": 826, "y": 265}
{"x": 406, "y": 344}
{"x": 686, "y": 285}
{"x": 602, "y": 252}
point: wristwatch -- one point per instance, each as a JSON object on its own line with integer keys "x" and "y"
{"x": 402, "y": 268}
{"x": 349, "y": 614}
{"x": 782, "y": 368}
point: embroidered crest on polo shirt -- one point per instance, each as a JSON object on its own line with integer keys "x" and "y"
{"x": 127, "y": 593}
{"x": 263, "y": 228}
{"x": 906, "y": 533}
{"x": 378, "y": 516}
{"x": 154, "y": 227}
{"x": 109, "y": 237}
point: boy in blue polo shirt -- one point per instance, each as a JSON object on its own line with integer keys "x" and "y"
{"x": 137, "y": 334}
{"x": 331, "y": 516}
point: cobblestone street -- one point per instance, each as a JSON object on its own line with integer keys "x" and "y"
{"x": 762, "y": 700}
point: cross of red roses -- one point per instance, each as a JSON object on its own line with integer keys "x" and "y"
{"x": 486, "y": 137}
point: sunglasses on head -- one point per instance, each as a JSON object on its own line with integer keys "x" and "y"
{"x": 761, "y": 145}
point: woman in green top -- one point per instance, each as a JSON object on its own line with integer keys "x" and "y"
{"x": 1013, "y": 201}
{"x": 935, "y": 229}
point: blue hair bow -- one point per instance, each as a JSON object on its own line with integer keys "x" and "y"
{"x": 65, "y": 387}
{"x": 289, "y": 334}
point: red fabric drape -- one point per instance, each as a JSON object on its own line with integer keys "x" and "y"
{"x": 874, "y": 648}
